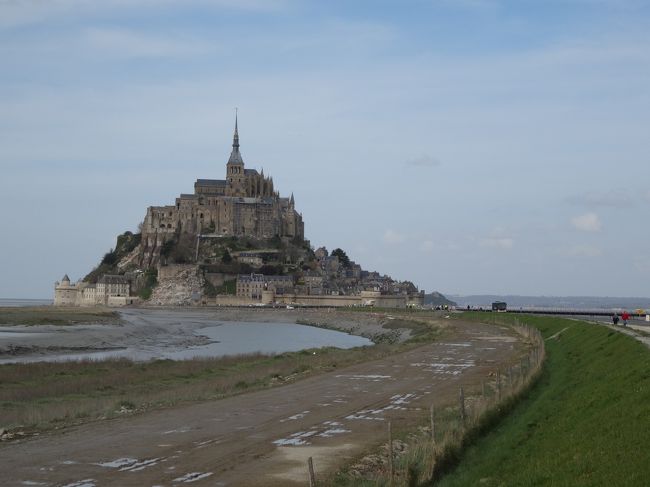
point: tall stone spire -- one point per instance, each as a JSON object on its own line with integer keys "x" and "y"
{"x": 235, "y": 156}
{"x": 235, "y": 140}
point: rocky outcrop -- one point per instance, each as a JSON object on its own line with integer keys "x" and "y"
{"x": 178, "y": 285}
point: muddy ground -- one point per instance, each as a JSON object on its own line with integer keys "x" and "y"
{"x": 264, "y": 437}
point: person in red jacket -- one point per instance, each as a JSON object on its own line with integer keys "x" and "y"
{"x": 625, "y": 316}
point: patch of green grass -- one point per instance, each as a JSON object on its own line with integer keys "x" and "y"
{"x": 50, "y": 315}
{"x": 585, "y": 422}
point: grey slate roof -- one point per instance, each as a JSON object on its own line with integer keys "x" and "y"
{"x": 235, "y": 157}
{"x": 113, "y": 279}
{"x": 250, "y": 171}
{"x": 210, "y": 182}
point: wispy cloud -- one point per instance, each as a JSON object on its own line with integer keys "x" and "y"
{"x": 584, "y": 251}
{"x": 497, "y": 242}
{"x": 642, "y": 265}
{"x": 424, "y": 160}
{"x": 619, "y": 198}
{"x": 427, "y": 246}
{"x": 129, "y": 43}
{"x": 23, "y": 12}
{"x": 393, "y": 238}
{"x": 589, "y": 222}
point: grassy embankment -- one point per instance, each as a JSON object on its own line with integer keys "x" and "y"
{"x": 41, "y": 396}
{"x": 50, "y": 315}
{"x": 586, "y": 421}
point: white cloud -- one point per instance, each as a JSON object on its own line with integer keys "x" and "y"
{"x": 584, "y": 251}
{"x": 22, "y": 12}
{"x": 642, "y": 265}
{"x": 424, "y": 160}
{"x": 128, "y": 43}
{"x": 427, "y": 246}
{"x": 618, "y": 198}
{"x": 589, "y": 222}
{"x": 393, "y": 238}
{"x": 497, "y": 242}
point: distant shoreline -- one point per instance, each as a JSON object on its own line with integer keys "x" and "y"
{"x": 575, "y": 302}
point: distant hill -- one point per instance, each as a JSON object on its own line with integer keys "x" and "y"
{"x": 587, "y": 302}
{"x": 437, "y": 299}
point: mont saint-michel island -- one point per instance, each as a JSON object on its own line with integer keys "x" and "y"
{"x": 234, "y": 241}
{"x": 276, "y": 243}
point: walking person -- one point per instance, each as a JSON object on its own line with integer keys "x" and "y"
{"x": 615, "y": 319}
{"x": 625, "y": 316}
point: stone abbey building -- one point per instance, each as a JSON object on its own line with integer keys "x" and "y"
{"x": 243, "y": 204}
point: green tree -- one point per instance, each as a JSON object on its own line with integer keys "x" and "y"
{"x": 110, "y": 258}
{"x": 343, "y": 257}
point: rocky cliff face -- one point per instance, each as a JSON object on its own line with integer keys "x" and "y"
{"x": 178, "y": 285}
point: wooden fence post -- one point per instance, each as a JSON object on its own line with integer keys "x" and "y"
{"x": 498, "y": 385}
{"x": 390, "y": 454}
{"x": 462, "y": 405}
{"x": 433, "y": 426}
{"x": 312, "y": 476}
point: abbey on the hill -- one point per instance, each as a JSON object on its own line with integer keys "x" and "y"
{"x": 243, "y": 204}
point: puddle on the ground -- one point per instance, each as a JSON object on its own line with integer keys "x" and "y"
{"x": 370, "y": 377}
{"x": 130, "y": 464}
{"x": 184, "y": 429}
{"x": 82, "y": 483}
{"x": 192, "y": 477}
{"x": 447, "y": 366}
{"x": 295, "y": 416}
{"x": 397, "y": 402}
{"x": 326, "y": 429}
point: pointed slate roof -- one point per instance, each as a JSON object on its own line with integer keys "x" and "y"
{"x": 235, "y": 156}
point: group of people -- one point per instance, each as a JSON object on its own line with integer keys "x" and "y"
{"x": 624, "y": 316}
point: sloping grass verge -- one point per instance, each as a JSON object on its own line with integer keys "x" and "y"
{"x": 585, "y": 422}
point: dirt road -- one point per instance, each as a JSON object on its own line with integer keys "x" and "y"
{"x": 265, "y": 437}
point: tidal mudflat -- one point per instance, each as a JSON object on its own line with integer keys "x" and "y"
{"x": 147, "y": 334}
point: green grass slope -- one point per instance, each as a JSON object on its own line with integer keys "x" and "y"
{"x": 586, "y": 422}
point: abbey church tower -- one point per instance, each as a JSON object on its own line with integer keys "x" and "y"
{"x": 235, "y": 172}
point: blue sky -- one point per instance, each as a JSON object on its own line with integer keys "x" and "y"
{"x": 471, "y": 146}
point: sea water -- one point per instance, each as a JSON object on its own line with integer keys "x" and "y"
{"x": 227, "y": 338}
